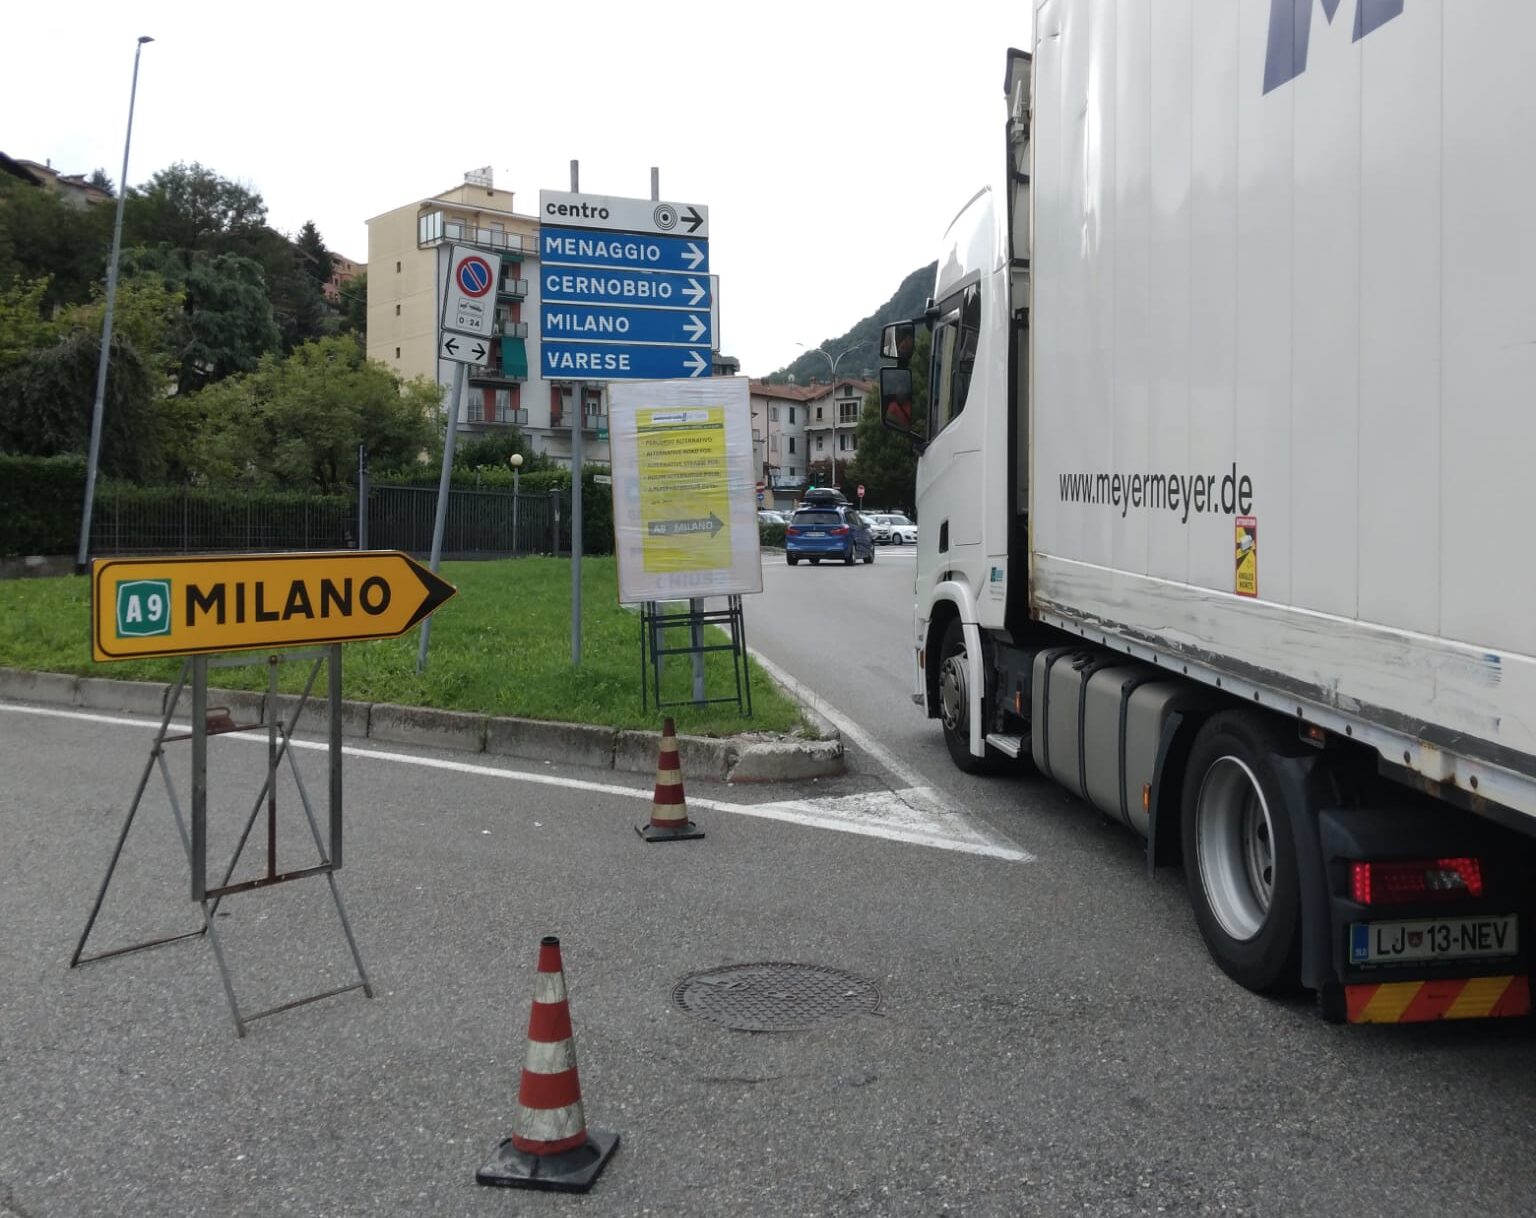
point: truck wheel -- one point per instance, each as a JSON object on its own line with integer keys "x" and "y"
{"x": 955, "y": 704}
{"x": 1239, "y": 855}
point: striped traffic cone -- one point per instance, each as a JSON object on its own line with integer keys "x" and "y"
{"x": 550, "y": 1147}
{"x": 669, "y": 807}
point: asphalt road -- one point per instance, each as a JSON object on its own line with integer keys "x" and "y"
{"x": 1050, "y": 1038}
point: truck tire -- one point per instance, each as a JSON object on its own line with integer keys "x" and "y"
{"x": 954, "y": 706}
{"x": 1240, "y": 861}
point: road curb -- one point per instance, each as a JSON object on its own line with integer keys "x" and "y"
{"x": 746, "y": 758}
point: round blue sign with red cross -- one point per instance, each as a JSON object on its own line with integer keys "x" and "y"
{"x": 474, "y": 276}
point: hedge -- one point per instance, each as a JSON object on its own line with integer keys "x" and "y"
{"x": 40, "y": 503}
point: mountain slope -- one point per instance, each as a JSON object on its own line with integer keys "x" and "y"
{"x": 864, "y": 339}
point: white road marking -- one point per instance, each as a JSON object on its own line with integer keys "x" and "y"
{"x": 893, "y": 816}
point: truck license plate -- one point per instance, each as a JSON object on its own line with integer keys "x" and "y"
{"x": 1433, "y": 939}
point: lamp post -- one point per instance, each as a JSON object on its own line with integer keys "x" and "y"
{"x": 516, "y": 461}
{"x": 833, "y": 364}
{"x": 106, "y": 325}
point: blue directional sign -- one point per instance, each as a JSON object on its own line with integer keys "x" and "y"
{"x": 632, "y": 251}
{"x": 624, "y": 289}
{"x": 589, "y": 361}
{"x": 622, "y": 324}
{"x": 597, "y": 285}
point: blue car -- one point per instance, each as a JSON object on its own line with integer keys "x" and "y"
{"x": 828, "y": 530}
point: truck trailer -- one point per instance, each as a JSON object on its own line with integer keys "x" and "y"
{"x": 1229, "y": 439}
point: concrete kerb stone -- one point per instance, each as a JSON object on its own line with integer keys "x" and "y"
{"x": 52, "y": 688}
{"x": 356, "y": 717}
{"x": 433, "y": 728}
{"x": 539, "y": 740}
{"x": 783, "y": 760}
{"x": 135, "y": 697}
{"x": 636, "y": 752}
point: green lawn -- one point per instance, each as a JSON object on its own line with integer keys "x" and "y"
{"x": 502, "y": 646}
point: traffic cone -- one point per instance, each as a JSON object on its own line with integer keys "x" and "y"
{"x": 550, "y": 1147}
{"x": 669, "y": 807}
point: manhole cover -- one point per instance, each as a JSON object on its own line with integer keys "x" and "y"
{"x": 775, "y": 997}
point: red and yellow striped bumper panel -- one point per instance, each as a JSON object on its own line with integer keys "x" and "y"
{"x": 1417, "y": 1001}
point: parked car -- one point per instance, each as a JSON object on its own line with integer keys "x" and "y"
{"x": 828, "y": 530}
{"x": 770, "y": 516}
{"x": 900, "y": 530}
{"x": 879, "y": 526}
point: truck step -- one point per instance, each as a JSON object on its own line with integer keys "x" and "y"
{"x": 1011, "y": 745}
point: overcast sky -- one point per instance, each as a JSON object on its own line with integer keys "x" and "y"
{"x": 831, "y": 141}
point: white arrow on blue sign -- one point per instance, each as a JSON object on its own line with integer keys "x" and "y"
{"x": 573, "y": 361}
{"x": 648, "y": 289}
{"x": 617, "y": 324}
{"x": 593, "y": 247}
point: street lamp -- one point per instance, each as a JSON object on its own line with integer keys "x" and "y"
{"x": 516, "y": 461}
{"x": 834, "y": 363}
{"x": 106, "y": 324}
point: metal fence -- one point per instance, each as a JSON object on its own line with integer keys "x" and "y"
{"x": 480, "y": 524}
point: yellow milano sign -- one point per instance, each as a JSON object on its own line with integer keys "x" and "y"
{"x": 142, "y": 607}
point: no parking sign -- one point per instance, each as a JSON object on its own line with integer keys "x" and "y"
{"x": 469, "y": 304}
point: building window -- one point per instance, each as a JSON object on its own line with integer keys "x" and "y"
{"x": 397, "y": 352}
{"x": 773, "y": 414}
{"x": 397, "y": 268}
{"x": 791, "y": 445}
{"x": 791, "y": 414}
{"x": 844, "y": 443}
{"x": 821, "y": 443}
{"x": 397, "y": 310}
{"x": 773, "y": 442}
{"x": 818, "y": 414}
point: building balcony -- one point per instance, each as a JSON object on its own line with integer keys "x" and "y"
{"x": 508, "y": 365}
{"x": 514, "y": 329}
{"x": 513, "y": 289}
{"x": 437, "y": 228}
{"x": 593, "y": 421}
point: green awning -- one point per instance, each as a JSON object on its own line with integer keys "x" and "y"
{"x": 514, "y": 358}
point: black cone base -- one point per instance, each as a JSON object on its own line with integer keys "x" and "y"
{"x": 572, "y": 1171}
{"x": 654, "y": 833}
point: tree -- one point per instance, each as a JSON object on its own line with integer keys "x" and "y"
{"x": 189, "y": 207}
{"x": 46, "y": 403}
{"x": 317, "y": 260}
{"x": 887, "y": 462}
{"x": 297, "y": 421}
{"x": 100, "y": 179}
{"x": 226, "y": 323}
{"x": 354, "y": 309}
{"x": 147, "y": 314}
{"x": 43, "y": 237}
{"x": 23, "y": 324}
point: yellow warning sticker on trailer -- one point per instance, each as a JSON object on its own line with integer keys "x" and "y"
{"x": 1247, "y": 556}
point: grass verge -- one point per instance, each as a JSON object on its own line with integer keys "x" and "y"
{"x": 502, "y": 646}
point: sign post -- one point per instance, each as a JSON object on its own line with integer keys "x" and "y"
{"x": 193, "y": 606}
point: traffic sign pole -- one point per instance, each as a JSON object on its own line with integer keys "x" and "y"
{"x": 580, "y": 391}
{"x": 441, "y": 518}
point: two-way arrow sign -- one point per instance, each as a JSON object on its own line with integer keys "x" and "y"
{"x": 462, "y": 347}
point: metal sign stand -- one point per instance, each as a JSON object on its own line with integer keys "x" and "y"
{"x": 654, "y": 623}
{"x": 195, "y": 843}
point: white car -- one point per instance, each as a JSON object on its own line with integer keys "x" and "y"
{"x": 901, "y": 531}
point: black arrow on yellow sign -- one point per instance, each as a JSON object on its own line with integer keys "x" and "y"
{"x": 191, "y": 605}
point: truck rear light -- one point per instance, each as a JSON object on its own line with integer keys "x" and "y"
{"x": 1417, "y": 880}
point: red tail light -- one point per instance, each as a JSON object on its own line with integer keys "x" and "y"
{"x": 840, "y": 530}
{"x": 1409, "y": 882}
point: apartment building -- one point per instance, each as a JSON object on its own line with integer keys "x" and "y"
{"x": 831, "y": 439}
{"x": 408, "y": 254}
{"x": 778, "y": 440}
{"x": 343, "y": 272}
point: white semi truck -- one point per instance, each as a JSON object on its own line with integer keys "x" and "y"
{"x": 1228, "y": 474}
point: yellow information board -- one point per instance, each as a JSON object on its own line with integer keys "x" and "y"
{"x": 198, "y": 604}
{"x": 684, "y": 489}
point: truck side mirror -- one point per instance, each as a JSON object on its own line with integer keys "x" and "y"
{"x": 896, "y": 342}
{"x": 896, "y": 400}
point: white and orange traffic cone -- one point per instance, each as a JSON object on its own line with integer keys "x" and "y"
{"x": 551, "y": 1146}
{"x": 669, "y": 806}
